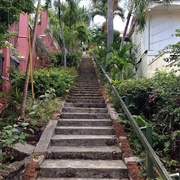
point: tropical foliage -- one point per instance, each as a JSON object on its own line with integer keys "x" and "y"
{"x": 9, "y": 13}
{"x": 73, "y": 59}
{"x": 38, "y": 112}
{"x": 75, "y": 25}
{"x": 101, "y": 7}
{"x": 58, "y": 79}
{"x": 119, "y": 63}
{"x": 49, "y": 84}
{"x": 107, "y": 9}
{"x": 157, "y": 102}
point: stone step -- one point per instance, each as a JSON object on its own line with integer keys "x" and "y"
{"x": 95, "y": 152}
{"x": 84, "y": 110}
{"x": 85, "y": 100}
{"x": 80, "y": 130}
{"x": 84, "y": 115}
{"x": 85, "y": 105}
{"x": 85, "y": 97}
{"x": 91, "y": 87}
{"x": 83, "y": 145}
{"x": 86, "y": 91}
{"x": 88, "y": 88}
{"x": 80, "y": 179}
{"x": 95, "y": 91}
{"x": 84, "y": 122}
{"x": 92, "y": 79}
{"x": 91, "y": 95}
{"x": 83, "y": 168}
{"x": 83, "y": 140}
{"x": 85, "y": 94}
{"x": 83, "y": 78}
{"x": 87, "y": 84}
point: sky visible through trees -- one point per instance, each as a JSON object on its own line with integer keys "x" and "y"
{"x": 98, "y": 20}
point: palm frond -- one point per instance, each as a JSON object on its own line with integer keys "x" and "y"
{"x": 47, "y": 4}
{"x": 119, "y": 12}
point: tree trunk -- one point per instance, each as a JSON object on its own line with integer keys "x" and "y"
{"x": 125, "y": 29}
{"x": 127, "y": 24}
{"x": 62, "y": 35}
{"x": 23, "y": 105}
{"x": 110, "y": 27}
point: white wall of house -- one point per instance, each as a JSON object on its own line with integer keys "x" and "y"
{"x": 159, "y": 64}
{"x": 161, "y": 23}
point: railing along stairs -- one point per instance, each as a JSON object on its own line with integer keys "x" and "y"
{"x": 152, "y": 158}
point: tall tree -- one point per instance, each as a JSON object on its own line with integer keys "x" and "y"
{"x": 127, "y": 24}
{"x": 101, "y": 9}
{"x": 107, "y": 9}
{"x": 110, "y": 26}
{"x": 75, "y": 24}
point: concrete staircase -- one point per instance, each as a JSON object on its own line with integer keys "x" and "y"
{"x": 83, "y": 145}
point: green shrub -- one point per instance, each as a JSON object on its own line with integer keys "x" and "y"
{"x": 71, "y": 58}
{"x": 157, "y": 100}
{"x": 9, "y": 135}
{"x": 44, "y": 79}
{"x": 41, "y": 109}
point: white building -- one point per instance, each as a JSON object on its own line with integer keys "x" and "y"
{"x": 161, "y": 23}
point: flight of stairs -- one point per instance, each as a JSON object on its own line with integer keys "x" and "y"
{"x": 84, "y": 145}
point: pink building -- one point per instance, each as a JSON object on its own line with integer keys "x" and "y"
{"x": 16, "y": 52}
{"x": 45, "y": 42}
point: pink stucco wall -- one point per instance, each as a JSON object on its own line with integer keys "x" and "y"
{"x": 46, "y": 39}
{"x": 44, "y": 22}
{"x": 43, "y": 34}
{"x": 22, "y": 42}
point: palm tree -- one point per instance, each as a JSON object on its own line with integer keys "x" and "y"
{"x": 101, "y": 8}
{"x": 62, "y": 41}
{"x": 120, "y": 60}
{"x": 127, "y": 24}
{"x": 75, "y": 21}
{"x": 108, "y": 9}
{"x": 110, "y": 27}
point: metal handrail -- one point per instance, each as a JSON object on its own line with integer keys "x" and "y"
{"x": 161, "y": 169}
